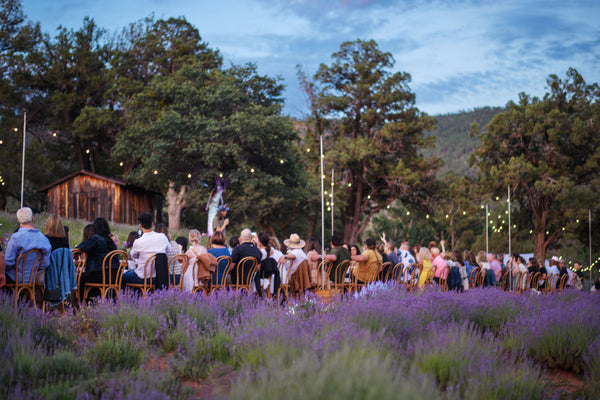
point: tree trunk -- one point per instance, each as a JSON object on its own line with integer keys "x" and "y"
{"x": 539, "y": 248}
{"x": 175, "y": 203}
{"x": 351, "y": 233}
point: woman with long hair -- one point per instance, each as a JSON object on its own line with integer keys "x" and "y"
{"x": 55, "y": 232}
{"x": 424, "y": 260}
{"x": 313, "y": 252}
{"x": 96, "y": 248}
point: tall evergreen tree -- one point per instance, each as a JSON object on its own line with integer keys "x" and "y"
{"x": 374, "y": 133}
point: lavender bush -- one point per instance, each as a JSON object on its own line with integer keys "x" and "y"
{"x": 383, "y": 342}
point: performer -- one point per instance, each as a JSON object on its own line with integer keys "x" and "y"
{"x": 221, "y": 220}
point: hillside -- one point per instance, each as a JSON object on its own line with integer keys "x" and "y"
{"x": 453, "y": 144}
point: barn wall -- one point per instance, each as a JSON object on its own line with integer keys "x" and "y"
{"x": 88, "y": 197}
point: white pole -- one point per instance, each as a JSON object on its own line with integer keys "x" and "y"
{"x": 23, "y": 163}
{"x": 322, "y": 216}
{"x": 590, "y": 241}
{"x": 509, "y": 240}
{"x": 331, "y": 201}
{"x": 486, "y": 230}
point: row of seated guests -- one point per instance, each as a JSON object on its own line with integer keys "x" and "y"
{"x": 27, "y": 238}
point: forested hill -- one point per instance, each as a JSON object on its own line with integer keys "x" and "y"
{"x": 453, "y": 144}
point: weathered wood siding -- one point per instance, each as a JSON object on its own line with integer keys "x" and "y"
{"x": 88, "y": 197}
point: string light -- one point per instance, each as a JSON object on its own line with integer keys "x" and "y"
{"x": 252, "y": 170}
{"x": 220, "y": 175}
{"x": 155, "y": 172}
{"x": 408, "y": 213}
{"x": 54, "y": 134}
{"x": 121, "y": 164}
{"x": 189, "y": 176}
{"x": 308, "y": 150}
{"x": 349, "y": 185}
{"x": 281, "y": 161}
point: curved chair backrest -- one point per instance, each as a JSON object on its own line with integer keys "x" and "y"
{"x": 183, "y": 260}
{"x": 340, "y": 272}
{"x": 20, "y": 276}
{"x": 118, "y": 257}
{"x": 245, "y": 270}
{"x": 473, "y": 276}
{"x": 226, "y": 261}
{"x": 563, "y": 282}
{"x": 79, "y": 259}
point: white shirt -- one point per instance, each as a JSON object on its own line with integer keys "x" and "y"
{"x": 300, "y": 256}
{"x": 145, "y": 247}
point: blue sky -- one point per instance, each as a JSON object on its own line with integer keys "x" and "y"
{"x": 460, "y": 54}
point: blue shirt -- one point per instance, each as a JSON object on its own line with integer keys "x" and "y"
{"x": 20, "y": 242}
{"x": 218, "y": 252}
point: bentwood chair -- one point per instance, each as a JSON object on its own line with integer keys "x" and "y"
{"x": 473, "y": 277}
{"x": 224, "y": 265}
{"x": 384, "y": 271}
{"x": 370, "y": 275}
{"x": 286, "y": 275}
{"x": 444, "y": 278}
{"x": 393, "y": 273}
{"x": 413, "y": 277}
{"x": 23, "y": 286}
{"x": 112, "y": 271}
{"x": 563, "y": 282}
{"x": 401, "y": 274}
{"x": 339, "y": 274}
{"x": 533, "y": 280}
{"x": 183, "y": 260}
{"x": 244, "y": 272}
{"x": 147, "y": 286}
{"x": 79, "y": 259}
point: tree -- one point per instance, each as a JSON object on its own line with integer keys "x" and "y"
{"x": 548, "y": 151}
{"x": 197, "y": 124}
{"x": 374, "y": 133}
{"x": 17, "y": 39}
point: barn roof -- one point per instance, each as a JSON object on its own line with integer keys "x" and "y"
{"x": 88, "y": 173}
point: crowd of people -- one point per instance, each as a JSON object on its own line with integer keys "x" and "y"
{"x": 416, "y": 264}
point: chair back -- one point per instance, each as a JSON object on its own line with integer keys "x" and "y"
{"x": 173, "y": 261}
{"x": 115, "y": 261}
{"x": 563, "y": 282}
{"x": 79, "y": 259}
{"x": 245, "y": 270}
{"x": 27, "y": 278}
{"x": 535, "y": 279}
{"x": 224, "y": 264}
{"x": 340, "y": 273}
{"x": 386, "y": 268}
{"x": 473, "y": 277}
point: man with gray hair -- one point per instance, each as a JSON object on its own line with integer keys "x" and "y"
{"x": 25, "y": 239}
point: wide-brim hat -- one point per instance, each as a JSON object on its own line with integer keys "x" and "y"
{"x": 294, "y": 242}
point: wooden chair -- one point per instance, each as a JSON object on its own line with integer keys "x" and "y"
{"x": 533, "y": 280}
{"x": 473, "y": 277}
{"x": 284, "y": 288}
{"x": 392, "y": 274}
{"x": 147, "y": 286}
{"x": 245, "y": 268}
{"x": 328, "y": 266}
{"x": 110, "y": 280}
{"x": 563, "y": 282}
{"x": 370, "y": 276}
{"x": 183, "y": 260}
{"x": 413, "y": 280}
{"x": 480, "y": 277}
{"x": 383, "y": 275}
{"x": 401, "y": 273}
{"x": 79, "y": 259}
{"x": 23, "y": 286}
{"x": 339, "y": 284}
{"x": 444, "y": 278}
{"x": 221, "y": 284}
{"x": 550, "y": 284}
{"x": 503, "y": 282}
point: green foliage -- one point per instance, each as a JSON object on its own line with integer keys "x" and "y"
{"x": 548, "y": 150}
{"x": 349, "y": 373}
{"x": 453, "y": 144}
{"x": 375, "y": 133}
{"x": 115, "y": 354}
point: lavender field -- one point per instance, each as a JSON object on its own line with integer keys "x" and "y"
{"x": 383, "y": 343}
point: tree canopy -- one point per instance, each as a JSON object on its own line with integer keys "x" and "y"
{"x": 548, "y": 151}
{"x": 374, "y": 133}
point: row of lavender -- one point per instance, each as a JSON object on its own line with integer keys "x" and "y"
{"x": 382, "y": 343}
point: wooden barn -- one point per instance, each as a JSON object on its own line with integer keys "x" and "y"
{"x": 85, "y": 195}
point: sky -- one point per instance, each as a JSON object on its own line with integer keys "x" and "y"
{"x": 460, "y": 54}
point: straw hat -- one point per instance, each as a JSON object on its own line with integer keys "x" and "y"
{"x": 294, "y": 242}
